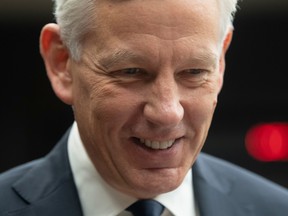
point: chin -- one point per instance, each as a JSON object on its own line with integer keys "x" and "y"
{"x": 152, "y": 187}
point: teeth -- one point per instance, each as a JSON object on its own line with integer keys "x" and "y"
{"x": 157, "y": 144}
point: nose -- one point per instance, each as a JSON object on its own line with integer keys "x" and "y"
{"x": 163, "y": 106}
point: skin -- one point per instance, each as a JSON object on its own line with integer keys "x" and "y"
{"x": 147, "y": 72}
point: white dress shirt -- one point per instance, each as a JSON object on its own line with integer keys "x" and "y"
{"x": 100, "y": 199}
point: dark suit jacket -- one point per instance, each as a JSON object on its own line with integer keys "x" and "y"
{"x": 46, "y": 187}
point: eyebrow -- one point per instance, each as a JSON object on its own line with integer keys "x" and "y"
{"x": 108, "y": 60}
{"x": 118, "y": 56}
{"x": 204, "y": 58}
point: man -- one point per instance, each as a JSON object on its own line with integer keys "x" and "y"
{"x": 142, "y": 77}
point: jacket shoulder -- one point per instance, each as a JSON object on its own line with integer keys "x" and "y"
{"x": 8, "y": 197}
{"x": 243, "y": 186}
{"x": 35, "y": 186}
{"x": 241, "y": 177}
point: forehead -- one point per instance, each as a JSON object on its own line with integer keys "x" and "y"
{"x": 181, "y": 29}
{"x": 167, "y": 19}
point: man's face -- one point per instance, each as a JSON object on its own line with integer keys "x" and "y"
{"x": 145, "y": 90}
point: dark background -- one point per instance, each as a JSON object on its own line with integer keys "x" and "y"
{"x": 32, "y": 119}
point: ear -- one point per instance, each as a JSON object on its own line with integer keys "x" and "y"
{"x": 56, "y": 59}
{"x": 225, "y": 47}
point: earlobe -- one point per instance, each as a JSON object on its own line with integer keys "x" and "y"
{"x": 56, "y": 59}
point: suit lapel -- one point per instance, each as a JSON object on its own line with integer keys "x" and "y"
{"x": 48, "y": 188}
{"x": 214, "y": 191}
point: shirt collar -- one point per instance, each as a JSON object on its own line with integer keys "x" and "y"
{"x": 99, "y": 198}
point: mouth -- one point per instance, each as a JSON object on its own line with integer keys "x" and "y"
{"x": 154, "y": 144}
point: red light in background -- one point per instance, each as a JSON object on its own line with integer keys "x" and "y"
{"x": 268, "y": 142}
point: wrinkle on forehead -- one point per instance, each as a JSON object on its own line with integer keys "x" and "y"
{"x": 167, "y": 19}
{"x": 173, "y": 55}
{"x": 178, "y": 30}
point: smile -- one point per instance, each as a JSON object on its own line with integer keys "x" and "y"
{"x": 156, "y": 145}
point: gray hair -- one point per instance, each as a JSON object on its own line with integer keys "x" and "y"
{"x": 76, "y": 19}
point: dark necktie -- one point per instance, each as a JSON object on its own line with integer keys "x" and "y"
{"x": 146, "y": 207}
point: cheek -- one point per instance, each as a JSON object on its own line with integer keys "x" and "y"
{"x": 94, "y": 94}
{"x": 112, "y": 105}
{"x": 199, "y": 110}
{"x": 201, "y": 103}
{"x": 95, "y": 105}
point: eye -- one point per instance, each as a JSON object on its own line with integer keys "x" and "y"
{"x": 131, "y": 71}
{"x": 194, "y": 77}
{"x": 130, "y": 74}
{"x": 194, "y": 71}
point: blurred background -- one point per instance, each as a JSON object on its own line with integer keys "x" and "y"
{"x": 255, "y": 91}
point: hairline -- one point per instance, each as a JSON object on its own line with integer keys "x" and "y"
{"x": 73, "y": 37}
